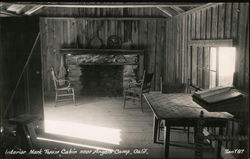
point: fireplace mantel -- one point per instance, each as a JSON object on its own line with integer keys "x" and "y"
{"x": 75, "y": 51}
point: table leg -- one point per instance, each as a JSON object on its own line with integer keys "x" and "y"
{"x": 155, "y": 127}
{"x": 198, "y": 140}
{"x": 166, "y": 141}
{"x": 219, "y": 144}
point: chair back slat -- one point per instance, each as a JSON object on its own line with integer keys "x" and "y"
{"x": 54, "y": 77}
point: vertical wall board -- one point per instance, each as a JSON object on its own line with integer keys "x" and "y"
{"x": 142, "y": 44}
{"x": 183, "y": 53}
{"x": 43, "y": 49}
{"x": 246, "y": 71}
{"x": 158, "y": 55}
{"x": 235, "y": 20}
{"x": 186, "y": 48}
{"x": 105, "y": 38}
{"x": 200, "y": 66}
{"x": 228, "y": 20}
{"x": 167, "y": 54}
{"x": 172, "y": 65}
{"x": 135, "y": 34}
{"x": 203, "y": 24}
{"x": 193, "y": 26}
{"x": 194, "y": 66}
{"x": 175, "y": 53}
{"x": 214, "y": 22}
{"x": 189, "y": 51}
{"x": 206, "y": 65}
{"x": 241, "y": 52}
{"x": 152, "y": 44}
{"x": 202, "y": 49}
{"x": 180, "y": 49}
{"x": 50, "y": 54}
{"x": 221, "y": 21}
{"x": 198, "y": 25}
{"x": 164, "y": 76}
{"x": 177, "y": 48}
{"x": 208, "y": 23}
{"x": 163, "y": 48}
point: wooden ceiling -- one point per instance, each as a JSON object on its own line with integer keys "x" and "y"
{"x": 168, "y": 9}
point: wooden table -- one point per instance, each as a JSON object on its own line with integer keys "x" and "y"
{"x": 178, "y": 109}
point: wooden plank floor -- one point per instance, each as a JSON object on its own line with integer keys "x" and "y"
{"x": 136, "y": 129}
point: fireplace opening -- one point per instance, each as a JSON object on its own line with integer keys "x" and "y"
{"x": 101, "y": 80}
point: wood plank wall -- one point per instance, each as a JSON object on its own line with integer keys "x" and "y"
{"x": 222, "y": 21}
{"x": 70, "y": 32}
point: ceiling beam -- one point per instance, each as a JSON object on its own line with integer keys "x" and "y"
{"x": 178, "y": 9}
{"x": 8, "y": 13}
{"x": 212, "y": 43}
{"x": 164, "y": 11}
{"x": 33, "y": 10}
{"x": 198, "y": 9}
{"x": 172, "y": 11}
{"x": 110, "y": 5}
{"x": 16, "y": 8}
{"x": 3, "y": 15}
{"x": 110, "y": 18}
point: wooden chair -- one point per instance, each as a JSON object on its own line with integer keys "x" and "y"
{"x": 200, "y": 138}
{"x": 136, "y": 90}
{"x": 63, "y": 92}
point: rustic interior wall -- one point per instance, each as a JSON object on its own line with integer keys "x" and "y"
{"x": 70, "y": 32}
{"x": 221, "y": 21}
{"x": 166, "y": 43}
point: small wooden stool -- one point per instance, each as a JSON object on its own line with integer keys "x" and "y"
{"x": 25, "y": 130}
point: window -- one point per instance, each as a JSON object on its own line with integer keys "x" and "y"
{"x": 213, "y": 81}
{"x": 222, "y": 66}
{"x": 212, "y": 66}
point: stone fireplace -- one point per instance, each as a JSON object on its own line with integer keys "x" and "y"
{"x": 101, "y": 80}
{"x": 101, "y": 74}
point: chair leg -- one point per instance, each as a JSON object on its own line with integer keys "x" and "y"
{"x": 56, "y": 99}
{"x": 155, "y": 128}
{"x": 74, "y": 100}
{"x": 161, "y": 126}
{"x": 159, "y": 130}
{"x": 141, "y": 103}
{"x": 124, "y": 102}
